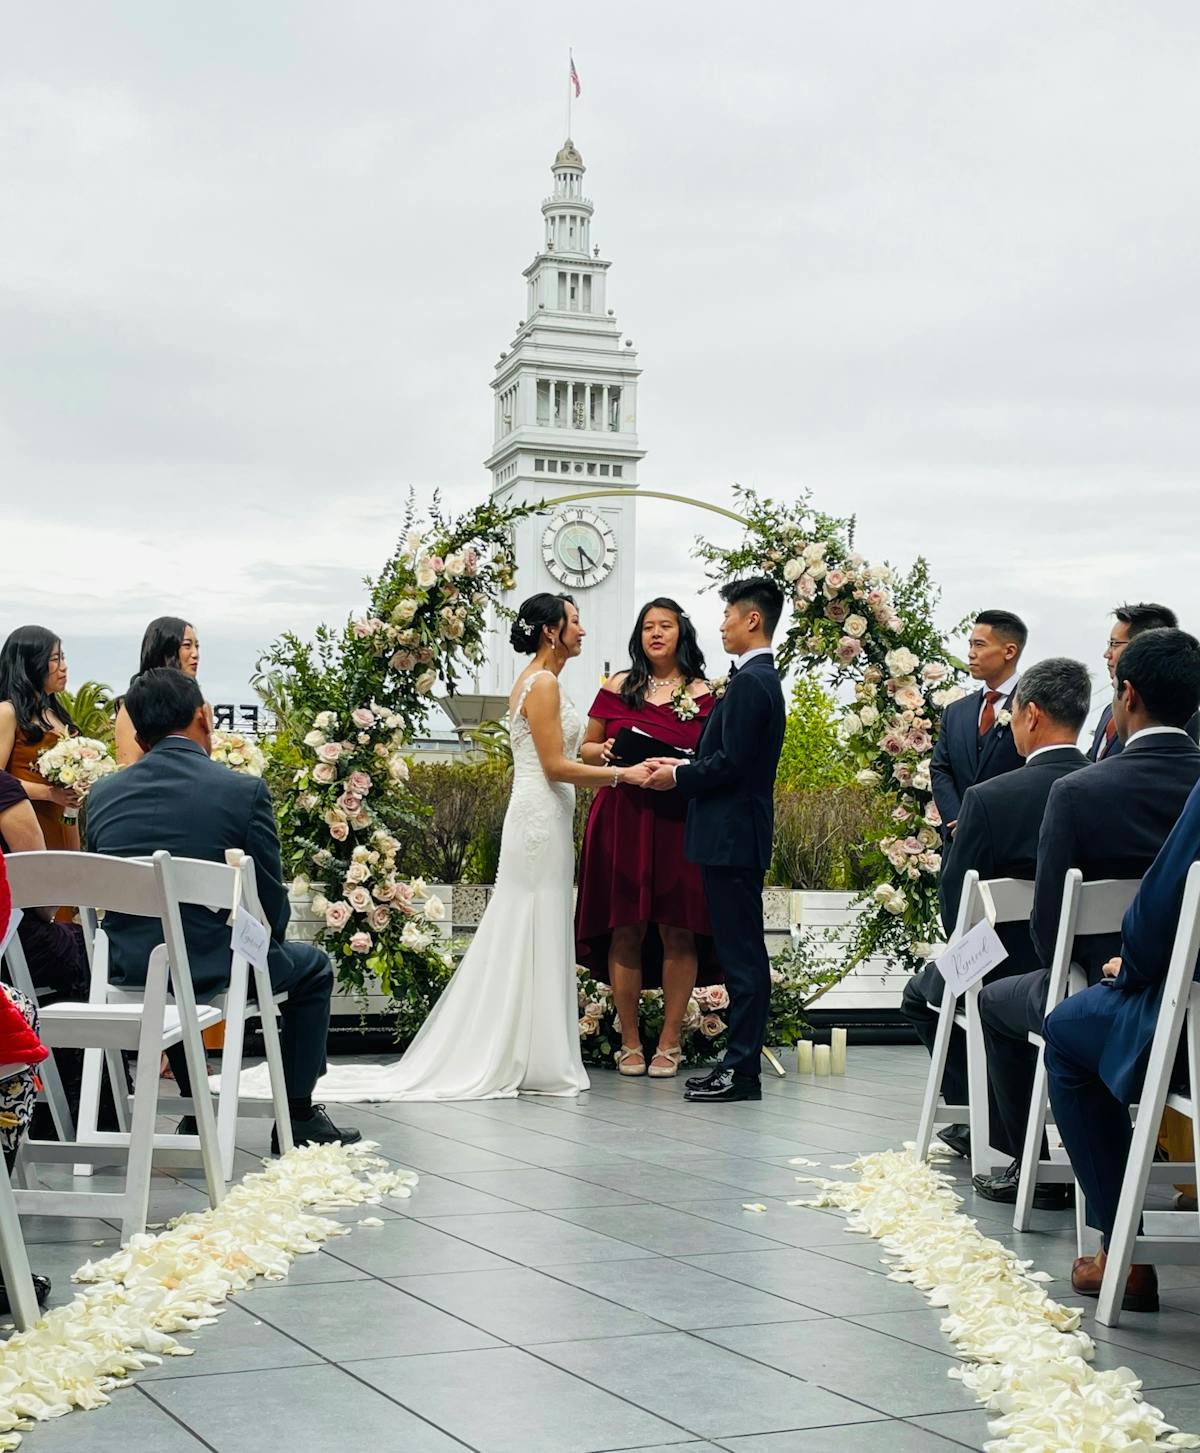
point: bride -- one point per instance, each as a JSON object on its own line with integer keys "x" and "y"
{"x": 508, "y": 1020}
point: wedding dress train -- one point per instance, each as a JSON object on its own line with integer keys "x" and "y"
{"x": 508, "y": 1021}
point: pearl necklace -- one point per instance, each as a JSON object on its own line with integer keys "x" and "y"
{"x": 669, "y": 685}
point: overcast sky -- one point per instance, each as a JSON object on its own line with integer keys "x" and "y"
{"x": 936, "y": 262}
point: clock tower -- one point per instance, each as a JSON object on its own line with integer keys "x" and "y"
{"x": 566, "y": 423}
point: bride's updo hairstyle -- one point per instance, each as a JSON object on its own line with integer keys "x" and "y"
{"x": 536, "y": 613}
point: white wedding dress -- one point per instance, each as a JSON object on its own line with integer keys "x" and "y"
{"x": 508, "y": 1021}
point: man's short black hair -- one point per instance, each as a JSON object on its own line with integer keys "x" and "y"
{"x": 760, "y": 593}
{"x": 1163, "y": 667}
{"x": 1062, "y": 688}
{"x": 160, "y": 702}
{"x": 1007, "y": 626}
{"x": 1146, "y": 615}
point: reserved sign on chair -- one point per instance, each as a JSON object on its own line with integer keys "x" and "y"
{"x": 969, "y": 958}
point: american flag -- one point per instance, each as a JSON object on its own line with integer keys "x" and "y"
{"x": 574, "y": 74}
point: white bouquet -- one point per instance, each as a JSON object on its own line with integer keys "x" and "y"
{"x": 77, "y": 763}
{"x": 238, "y": 752}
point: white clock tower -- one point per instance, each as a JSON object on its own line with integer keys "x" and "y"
{"x": 566, "y": 423}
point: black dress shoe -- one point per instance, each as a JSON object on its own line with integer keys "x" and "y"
{"x": 187, "y": 1126}
{"x": 725, "y": 1086}
{"x": 1003, "y": 1187}
{"x": 958, "y": 1138}
{"x": 694, "y": 1082}
{"x": 41, "y": 1290}
{"x": 316, "y": 1129}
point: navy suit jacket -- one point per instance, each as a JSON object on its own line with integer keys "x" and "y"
{"x": 998, "y": 836}
{"x": 730, "y": 786}
{"x": 1147, "y": 937}
{"x": 1117, "y": 746}
{"x": 175, "y": 798}
{"x": 1109, "y": 822}
{"x": 961, "y": 758}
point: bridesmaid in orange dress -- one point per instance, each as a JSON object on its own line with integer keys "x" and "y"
{"x": 33, "y": 670}
{"x": 169, "y": 641}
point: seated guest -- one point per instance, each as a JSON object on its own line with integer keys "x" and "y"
{"x": 1109, "y": 822}
{"x": 1129, "y": 621}
{"x": 176, "y": 799}
{"x": 33, "y": 670}
{"x": 641, "y": 919}
{"x": 973, "y": 743}
{"x": 1098, "y": 1047}
{"x": 997, "y": 836}
{"x": 169, "y": 641}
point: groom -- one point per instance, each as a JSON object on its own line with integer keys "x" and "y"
{"x": 730, "y": 789}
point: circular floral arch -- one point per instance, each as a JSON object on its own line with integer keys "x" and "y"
{"x": 346, "y": 704}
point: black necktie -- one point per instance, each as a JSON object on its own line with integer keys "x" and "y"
{"x": 733, "y": 669}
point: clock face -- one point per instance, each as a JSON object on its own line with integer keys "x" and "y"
{"x": 578, "y": 548}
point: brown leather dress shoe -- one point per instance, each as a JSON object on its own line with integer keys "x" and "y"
{"x": 1141, "y": 1286}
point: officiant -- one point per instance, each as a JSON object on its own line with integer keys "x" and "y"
{"x": 641, "y": 920}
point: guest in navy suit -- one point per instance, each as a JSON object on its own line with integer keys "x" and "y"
{"x": 974, "y": 744}
{"x": 729, "y": 788}
{"x": 1109, "y": 821}
{"x": 1098, "y": 1047}
{"x": 997, "y": 837}
{"x": 1129, "y": 621}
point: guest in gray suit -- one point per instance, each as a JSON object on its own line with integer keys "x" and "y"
{"x": 175, "y": 798}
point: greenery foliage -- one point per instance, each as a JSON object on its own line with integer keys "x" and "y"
{"x": 92, "y": 708}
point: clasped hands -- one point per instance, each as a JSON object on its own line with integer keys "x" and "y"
{"x": 657, "y": 773}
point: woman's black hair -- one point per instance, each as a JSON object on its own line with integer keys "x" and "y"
{"x": 689, "y": 655}
{"x": 161, "y": 643}
{"x": 24, "y": 666}
{"x": 536, "y": 613}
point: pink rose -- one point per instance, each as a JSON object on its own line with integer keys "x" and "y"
{"x": 848, "y": 649}
{"x": 404, "y": 661}
{"x": 835, "y": 580}
{"x": 324, "y": 773}
{"x": 361, "y": 820}
{"x": 359, "y": 898}
{"x": 360, "y": 716}
{"x": 718, "y": 996}
{"x": 329, "y": 751}
{"x": 837, "y": 610}
{"x": 360, "y": 943}
{"x": 903, "y": 774}
{"x": 910, "y": 697}
{"x": 385, "y": 892}
{"x": 913, "y": 846}
{"x": 919, "y": 742}
{"x": 932, "y": 815}
{"x": 379, "y": 918}
{"x": 350, "y": 803}
{"x": 359, "y": 783}
{"x": 876, "y": 597}
{"x": 337, "y": 916}
{"x": 470, "y": 560}
{"x": 892, "y": 743}
{"x": 711, "y": 1025}
{"x": 934, "y": 671}
{"x": 806, "y": 587}
{"x": 362, "y": 628}
{"x": 339, "y": 830}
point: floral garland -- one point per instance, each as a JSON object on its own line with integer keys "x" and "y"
{"x": 1027, "y": 1358}
{"x": 76, "y": 1356}
{"x": 238, "y": 752}
{"x": 345, "y": 705}
{"x": 867, "y": 625}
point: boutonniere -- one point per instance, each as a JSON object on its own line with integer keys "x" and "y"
{"x": 1003, "y": 718}
{"x": 718, "y": 686}
{"x": 683, "y": 703}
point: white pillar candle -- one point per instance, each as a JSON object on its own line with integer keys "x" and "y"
{"x": 837, "y": 1047}
{"x": 804, "y": 1057}
{"x": 821, "y": 1058}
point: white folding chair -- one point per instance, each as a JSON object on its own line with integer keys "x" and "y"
{"x": 18, "y": 1280}
{"x": 147, "y": 1025}
{"x": 998, "y": 900}
{"x": 224, "y": 886}
{"x": 1178, "y": 1013}
{"x": 1087, "y": 908}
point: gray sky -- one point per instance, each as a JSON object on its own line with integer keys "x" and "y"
{"x": 934, "y": 261}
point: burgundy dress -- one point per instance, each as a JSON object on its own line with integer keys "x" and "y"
{"x": 632, "y": 868}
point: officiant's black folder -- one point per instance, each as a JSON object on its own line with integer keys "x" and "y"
{"x": 631, "y": 747}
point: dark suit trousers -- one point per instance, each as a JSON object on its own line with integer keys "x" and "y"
{"x": 304, "y": 1020}
{"x": 1094, "y": 1125}
{"x": 1009, "y": 1011}
{"x": 735, "y": 910}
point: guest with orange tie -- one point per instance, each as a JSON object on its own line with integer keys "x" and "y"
{"x": 1129, "y": 621}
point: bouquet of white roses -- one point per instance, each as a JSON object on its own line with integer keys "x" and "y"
{"x": 238, "y": 752}
{"x": 77, "y": 763}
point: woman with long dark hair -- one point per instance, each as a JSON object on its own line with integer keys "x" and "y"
{"x": 33, "y": 670}
{"x": 169, "y": 641}
{"x": 641, "y": 917}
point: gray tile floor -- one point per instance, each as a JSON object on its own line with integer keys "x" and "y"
{"x": 580, "y": 1277}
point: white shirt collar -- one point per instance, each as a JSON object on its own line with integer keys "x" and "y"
{"x": 741, "y": 660}
{"x": 1054, "y": 747}
{"x": 1155, "y": 731}
{"x": 1006, "y": 688}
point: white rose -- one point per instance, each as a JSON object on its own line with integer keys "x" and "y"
{"x": 816, "y": 551}
{"x": 315, "y": 739}
{"x": 921, "y": 778}
{"x": 793, "y": 570}
{"x": 852, "y": 723}
{"x": 869, "y": 714}
{"x": 300, "y": 885}
{"x": 435, "y": 909}
{"x": 816, "y": 569}
{"x": 319, "y": 904}
{"x": 901, "y": 661}
{"x": 855, "y": 626}
{"x": 424, "y": 682}
{"x": 412, "y": 541}
{"x": 867, "y": 778}
{"x": 426, "y": 575}
{"x": 948, "y": 697}
{"x": 324, "y": 720}
{"x": 413, "y": 938}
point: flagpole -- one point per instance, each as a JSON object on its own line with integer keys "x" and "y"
{"x": 570, "y": 62}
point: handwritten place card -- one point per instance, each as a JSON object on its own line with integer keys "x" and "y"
{"x": 251, "y": 939}
{"x": 965, "y": 961}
